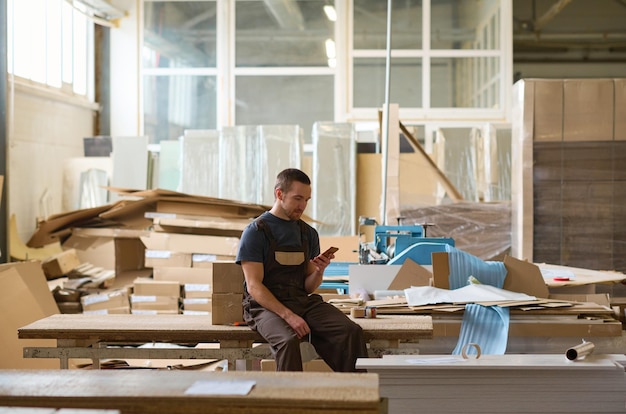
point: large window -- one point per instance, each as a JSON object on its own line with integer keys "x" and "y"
{"x": 444, "y": 55}
{"x": 179, "y": 67}
{"x": 209, "y": 64}
{"x": 50, "y": 42}
{"x": 285, "y": 63}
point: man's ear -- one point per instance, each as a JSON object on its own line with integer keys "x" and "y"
{"x": 278, "y": 193}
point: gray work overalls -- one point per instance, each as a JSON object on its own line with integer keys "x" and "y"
{"x": 337, "y": 339}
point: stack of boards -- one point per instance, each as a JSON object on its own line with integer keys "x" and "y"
{"x": 501, "y": 383}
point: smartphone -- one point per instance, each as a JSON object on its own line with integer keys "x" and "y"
{"x": 330, "y": 251}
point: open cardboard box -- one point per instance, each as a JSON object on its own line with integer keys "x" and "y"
{"x": 522, "y": 276}
{"x": 24, "y": 299}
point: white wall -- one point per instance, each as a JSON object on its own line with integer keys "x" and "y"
{"x": 45, "y": 129}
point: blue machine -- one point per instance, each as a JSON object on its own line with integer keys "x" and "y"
{"x": 391, "y": 245}
{"x": 394, "y": 244}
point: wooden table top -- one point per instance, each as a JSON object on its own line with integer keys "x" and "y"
{"x": 164, "y": 390}
{"x": 195, "y": 328}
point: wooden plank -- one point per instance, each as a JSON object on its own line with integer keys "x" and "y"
{"x": 454, "y": 194}
{"x": 194, "y": 328}
{"x": 160, "y": 391}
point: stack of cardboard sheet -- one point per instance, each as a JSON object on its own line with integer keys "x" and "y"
{"x": 117, "y": 236}
{"x": 500, "y": 383}
{"x": 130, "y": 213}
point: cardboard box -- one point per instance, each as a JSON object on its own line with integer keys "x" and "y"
{"x": 196, "y": 290}
{"x": 166, "y": 258}
{"x": 20, "y": 305}
{"x": 60, "y": 264}
{"x": 192, "y": 243}
{"x": 106, "y": 300}
{"x": 198, "y": 304}
{"x": 153, "y": 302}
{"x": 121, "y": 310}
{"x": 522, "y": 276}
{"x": 129, "y": 255}
{"x": 147, "y": 287}
{"x": 206, "y": 260}
{"x": 109, "y": 248}
{"x": 223, "y": 308}
{"x": 154, "y": 312}
{"x": 222, "y": 277}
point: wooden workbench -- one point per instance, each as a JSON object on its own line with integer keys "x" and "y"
{"x": 148, "y": 391}
{"x": 100, "y": 336}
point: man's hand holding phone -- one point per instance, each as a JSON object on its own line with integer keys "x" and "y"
{"x": 330, "y": 252}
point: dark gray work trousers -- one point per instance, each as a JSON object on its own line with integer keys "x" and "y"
{"x": 337, "y": 339}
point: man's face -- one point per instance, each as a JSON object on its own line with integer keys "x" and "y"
{"x": 294, "y": 201}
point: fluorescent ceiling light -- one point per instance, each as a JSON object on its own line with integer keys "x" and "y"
{"x": 330, "y": 49}
{"x": 330, "y": 12}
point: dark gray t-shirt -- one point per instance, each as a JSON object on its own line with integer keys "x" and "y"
{"x": 254, "y": 246}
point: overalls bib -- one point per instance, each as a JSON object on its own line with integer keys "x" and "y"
{"x": 284, "y": 268}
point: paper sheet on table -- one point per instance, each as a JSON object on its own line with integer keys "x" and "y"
{"x": 213, "y": 387}
{"x": 428, "y": 295}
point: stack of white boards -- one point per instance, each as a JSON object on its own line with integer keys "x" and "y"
{"x": 529, "y": 383}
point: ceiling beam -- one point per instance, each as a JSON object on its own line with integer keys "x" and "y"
{"x": 556, "y": 8}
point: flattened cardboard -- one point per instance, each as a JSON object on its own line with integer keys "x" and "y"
{"x": 441, "y": 270}
{"x": 192, "y": 243}
{"x": 602, "y": 299}
{"x": 524, "y": 277}
{"x": 45, "y": 233}
{"x": 165, "y": 258}
{"x": 410, "y": 274}
{"x": 20, "y": 307}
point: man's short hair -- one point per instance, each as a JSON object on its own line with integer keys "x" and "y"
{"x": 288, "y": 176}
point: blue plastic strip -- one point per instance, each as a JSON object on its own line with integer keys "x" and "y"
{"x": 463, "y": 265}
{"x": 487, "y": 326}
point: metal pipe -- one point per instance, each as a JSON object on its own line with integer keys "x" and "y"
{"x": 385, "y": 124}
{"x": 551, "y": 13}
